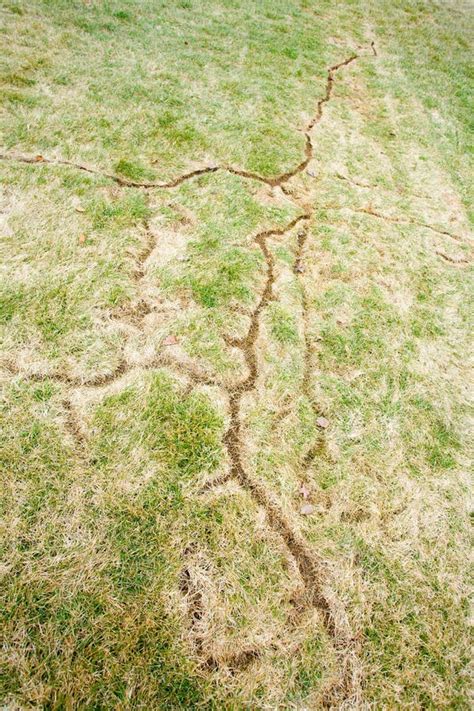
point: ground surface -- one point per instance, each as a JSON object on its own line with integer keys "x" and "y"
{"x": 234, "y": 311}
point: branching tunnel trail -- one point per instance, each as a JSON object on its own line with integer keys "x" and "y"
{"x": 281, "y": 179}
{"x": 311, "y": 567}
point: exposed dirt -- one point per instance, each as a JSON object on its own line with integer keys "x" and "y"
{"x": 73, "y": 425}
{"x": 174, "y": 182}
{"x": 454, "y": 259}
{"x": 406, "y": 221}
{"x": 309, "y": 564}
{"x": 369, "y": 186}
{"x": 194, "y": 602}
{"x": 310, "y": 567}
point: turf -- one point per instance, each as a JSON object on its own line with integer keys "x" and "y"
{"x": 235, "y": 309}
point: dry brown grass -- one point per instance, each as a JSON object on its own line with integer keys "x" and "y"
{"x": 235, "y": 462}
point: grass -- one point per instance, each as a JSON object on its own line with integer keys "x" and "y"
{"x": 135, "y": 572}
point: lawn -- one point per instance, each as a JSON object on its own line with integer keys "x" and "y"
{"x": 235, "y": 316}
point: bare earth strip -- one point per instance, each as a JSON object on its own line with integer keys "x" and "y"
{"x": 344, "y": 687}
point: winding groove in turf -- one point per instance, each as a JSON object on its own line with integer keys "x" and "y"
{"x": 174, "y": 182}
{"x": 456, "y": 259}
{"x": 395, "y": 220}
{"x": 298, "y": 269}
{"x": 368, "y": 186}
{"x": 310, "y": 565}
